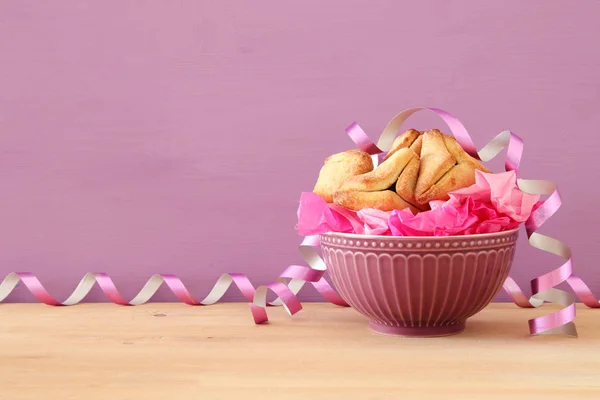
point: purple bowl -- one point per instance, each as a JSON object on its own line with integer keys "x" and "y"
{"x": 418, "y": 286}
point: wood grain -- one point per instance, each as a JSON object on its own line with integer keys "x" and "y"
{"x": 165, "y": 350}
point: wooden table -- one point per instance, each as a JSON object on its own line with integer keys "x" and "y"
{"x": 174, "y": 351}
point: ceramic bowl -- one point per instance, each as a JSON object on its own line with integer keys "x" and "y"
{"x": 418, "y": 286}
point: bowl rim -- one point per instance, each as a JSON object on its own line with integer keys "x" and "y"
{"x": 432, "y": 238}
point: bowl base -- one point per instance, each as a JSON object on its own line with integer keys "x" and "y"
{"x": 417, "y": 331}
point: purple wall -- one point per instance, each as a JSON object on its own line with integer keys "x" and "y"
{"x": 134, "y": 134}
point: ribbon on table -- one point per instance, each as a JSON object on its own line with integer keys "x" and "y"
{"x": 285, "y": 291}
{"x": 294, "y": 277}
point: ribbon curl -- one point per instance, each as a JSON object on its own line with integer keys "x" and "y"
{"x": 298, "y": 275}
{"x": 294, "y": 277}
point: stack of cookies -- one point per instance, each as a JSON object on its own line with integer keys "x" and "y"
{"x": 419, "y": 168}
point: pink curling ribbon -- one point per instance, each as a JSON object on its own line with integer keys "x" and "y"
{"x": 291, "y": 281}
{"x": 285, "y": 292}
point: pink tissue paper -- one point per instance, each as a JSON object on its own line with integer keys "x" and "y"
{"x": 493, "y": 204}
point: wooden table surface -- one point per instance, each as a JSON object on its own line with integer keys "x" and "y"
{"x": 174, "y": 351}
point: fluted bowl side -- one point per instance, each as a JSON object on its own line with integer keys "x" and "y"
{"x": 418, "y": 286}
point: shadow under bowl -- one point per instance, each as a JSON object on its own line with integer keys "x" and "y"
{"x": 418, "y": 286}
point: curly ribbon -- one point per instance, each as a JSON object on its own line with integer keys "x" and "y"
{"x": 285, "y": 292}
{"x": 291, "y": 281}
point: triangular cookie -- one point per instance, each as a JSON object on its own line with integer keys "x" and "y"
{"x": 445, "y": 167}
{"x": 377, "y": 183}
{"x": 384, "y": 176}
{"x": 337, "y": 168}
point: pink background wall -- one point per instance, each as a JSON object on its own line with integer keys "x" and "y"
{"x": 132, "y": 134}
